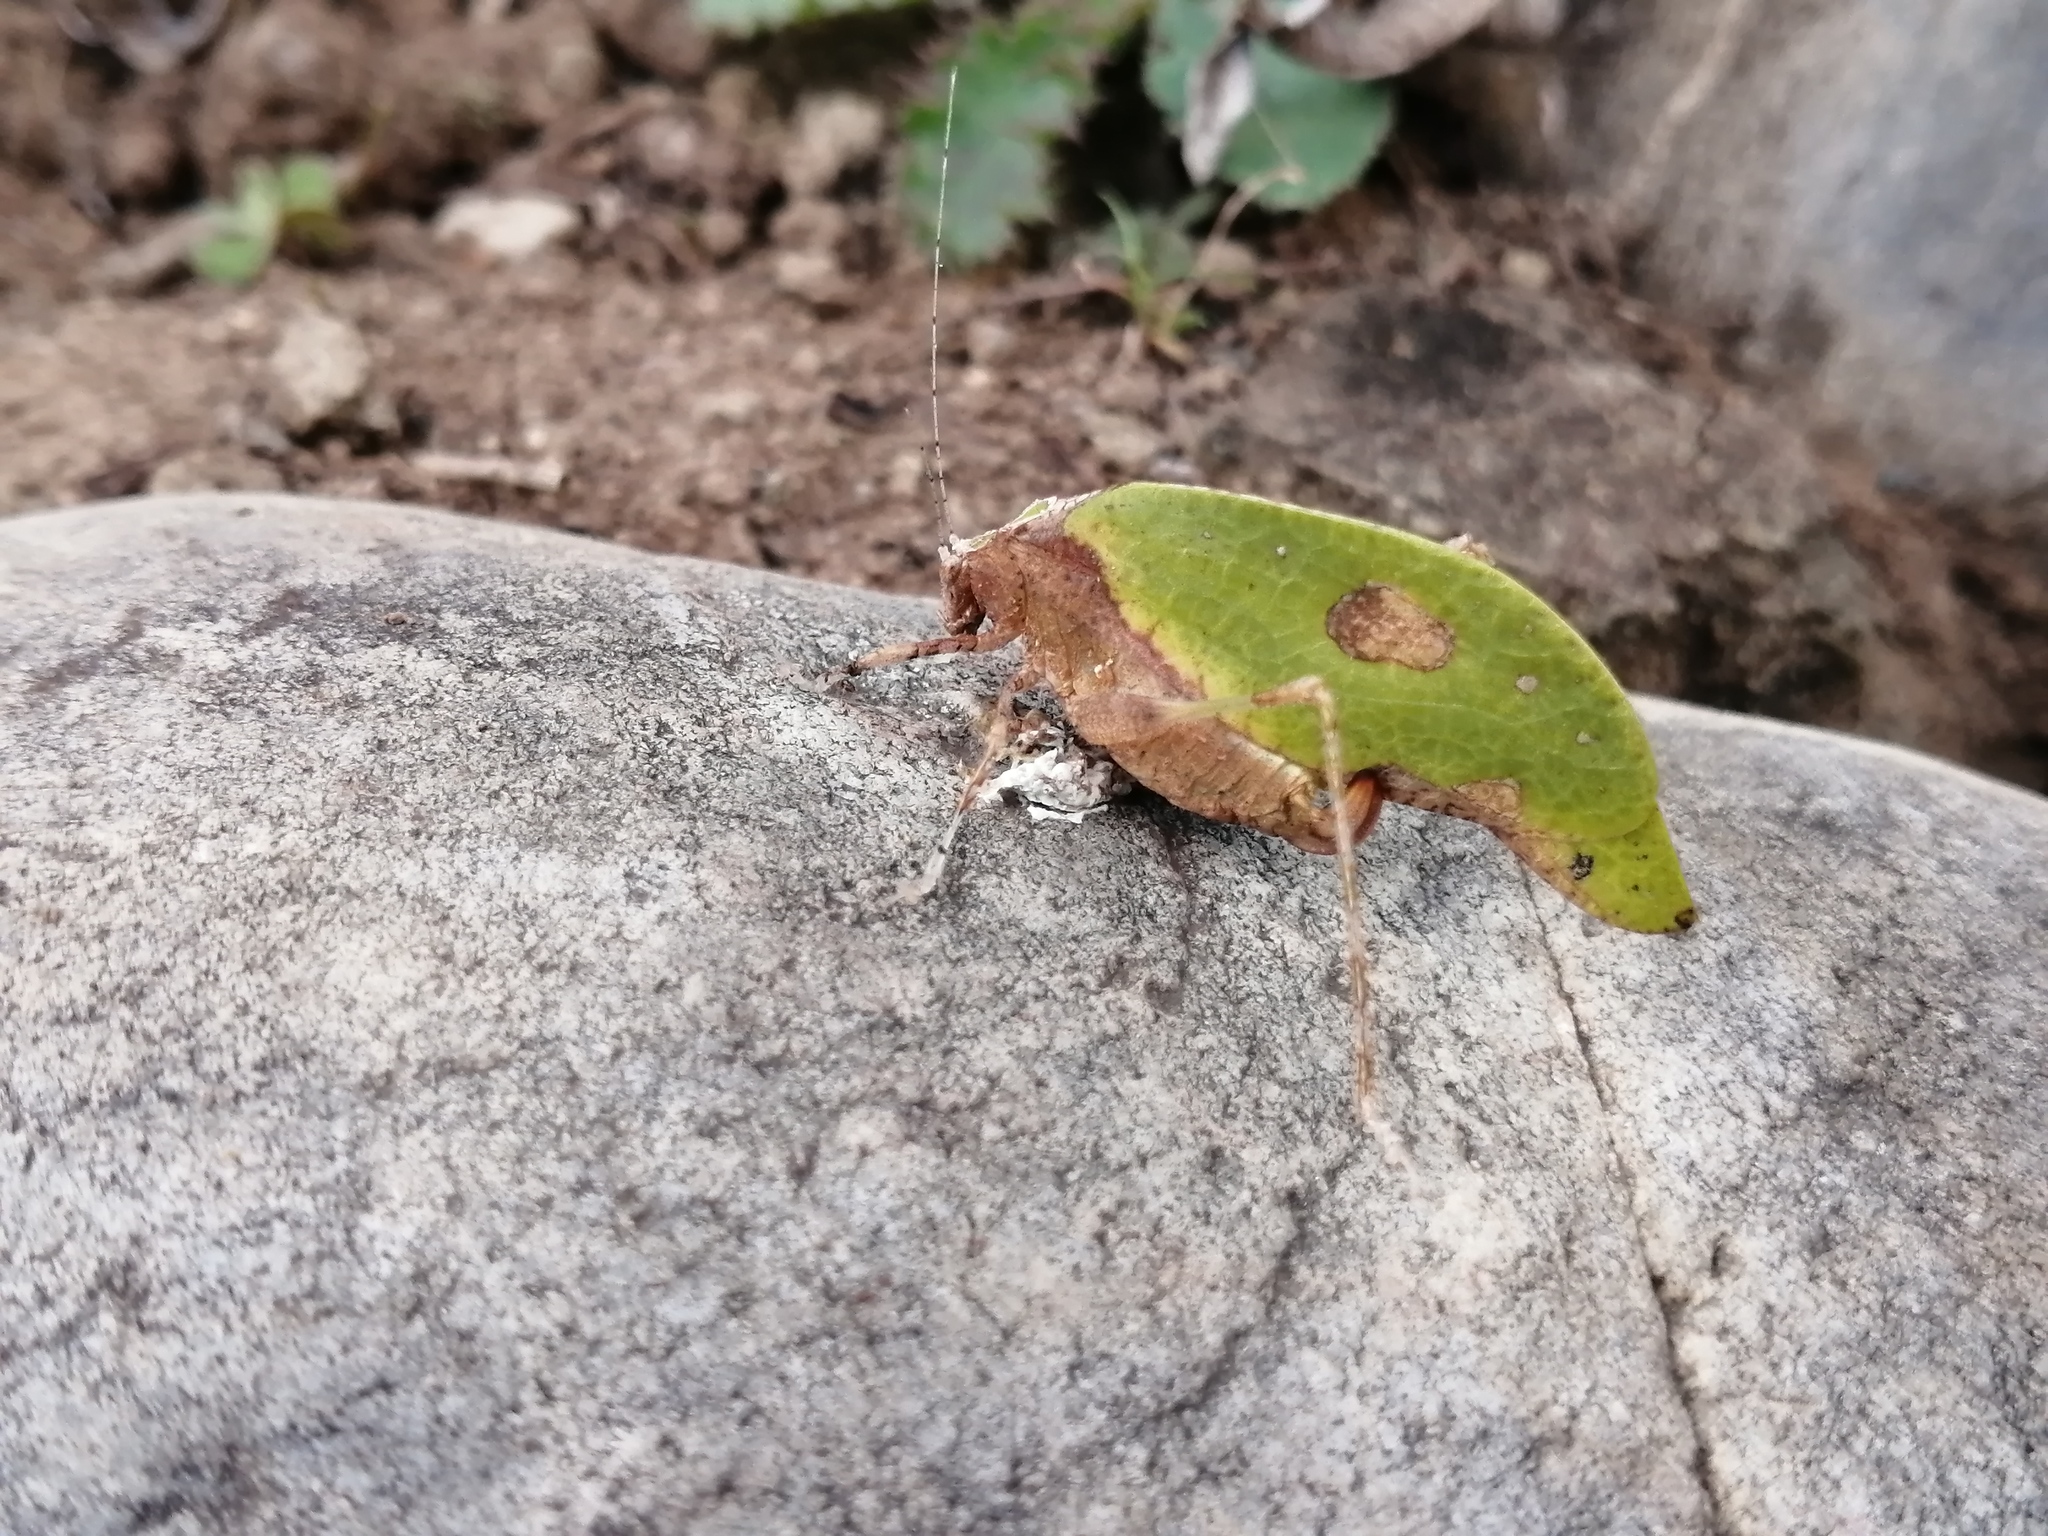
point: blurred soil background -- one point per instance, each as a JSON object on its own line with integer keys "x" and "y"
{"x": 609, "y": 275}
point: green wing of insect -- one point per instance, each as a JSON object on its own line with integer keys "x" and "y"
{"x": 1444, "y": 669}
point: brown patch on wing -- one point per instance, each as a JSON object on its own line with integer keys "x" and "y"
{"x": 1494, "y": 801}
{"x": 1209, "y": 767}
{"x": 1382, "y": 623}
{"x": 1032, "y": 579}
{"x": 1496, "y": 804}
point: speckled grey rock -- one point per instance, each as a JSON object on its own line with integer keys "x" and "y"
{"x": 462, "y": 1076}
{"x": 1863, "y": 183}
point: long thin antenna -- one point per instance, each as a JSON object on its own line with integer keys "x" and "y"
{"x": 938, "y": 235}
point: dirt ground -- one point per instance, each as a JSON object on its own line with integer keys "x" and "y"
{"x": 715, "y": 416}
{"x": 704, "y": 407}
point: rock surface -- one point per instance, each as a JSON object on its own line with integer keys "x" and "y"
{"x": 1864, "y": 183}
{"x": 464, "y": 1074}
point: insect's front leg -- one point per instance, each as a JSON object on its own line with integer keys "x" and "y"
{"x": 1002, "y": 726}
{"x": 990, "y": 639}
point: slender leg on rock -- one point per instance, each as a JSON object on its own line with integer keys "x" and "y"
{"x": 914, "y": 650}
{"x": 1001, "y": 726}
{"x": 1133, "y": 716}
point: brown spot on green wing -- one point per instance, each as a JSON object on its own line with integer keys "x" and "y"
{"x": 1379, "y": 622}
{"x": 1031, "y": 579}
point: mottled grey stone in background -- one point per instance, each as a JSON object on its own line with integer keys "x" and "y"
{"x": 1866, "y": 181}
{"x": 463, "y": 1077}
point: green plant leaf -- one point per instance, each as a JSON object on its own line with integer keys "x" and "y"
{"x": 1130, "y": 232}
{"x": 306, "y": 184}
{"x": 231, "y": 259}
{"x": 1152, "y": 250}
{"x": 310, "y": 222}
{"x": 1328, "y": 128}
{"x": 1156, "y": 254}
{"x": 259, "y": 195}
{"x": 1023, "y": 82}
{"x": 740, "y": 17}
{"x": 244, "y": 233}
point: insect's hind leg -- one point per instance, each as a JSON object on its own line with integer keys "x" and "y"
{"x": 1002, "y": 726}
{"x": 1136, "y": 713}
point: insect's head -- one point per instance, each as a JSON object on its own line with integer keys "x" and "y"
{"x": 959, "y": 608}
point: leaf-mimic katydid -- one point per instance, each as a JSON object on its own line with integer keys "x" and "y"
{"x": 1290, "y": 670}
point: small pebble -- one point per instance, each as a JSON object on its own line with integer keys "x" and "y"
{"x": 506, "y": 228}
{"x": 722, "y": 232}
{"x": 214, "y": 469}
{"x": 832, "y": 134}
{"x": 815, "y": 277}
{"x": 1125, "y": 442}
{"x": 722, "y": 487}
{"x": 729, "y": 407}
{"x": 809, "y": 224}
{"x": 1525, "y": 269}
{"x": 989, "y": 341}
{"x": 320, "y": 368}
{"x": 906, "y": 473}
{"x": 668, "y": 149}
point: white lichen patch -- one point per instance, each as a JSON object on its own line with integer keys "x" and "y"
{"x": 1054, "y": 775}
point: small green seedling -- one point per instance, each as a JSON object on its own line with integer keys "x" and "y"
{"x": 1291, "y": 671}
{"x": 1159, "y": 267}
{"x": 297, "y": 204}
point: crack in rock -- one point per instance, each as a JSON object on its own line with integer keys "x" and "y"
{"x": 1669, "y": 1307}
